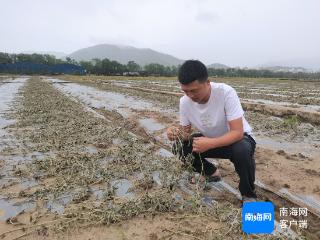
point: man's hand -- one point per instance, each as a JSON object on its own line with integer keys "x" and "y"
{"x": 202, "y": 144}
{"x": 173, "y": 133}
{"x": 182, "y": 132}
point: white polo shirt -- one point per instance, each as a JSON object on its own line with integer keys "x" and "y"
{"x": 211, "y": 118}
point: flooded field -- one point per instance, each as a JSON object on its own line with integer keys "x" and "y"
{"x": 269, "y": 91}
{"x": 84, "y": 156}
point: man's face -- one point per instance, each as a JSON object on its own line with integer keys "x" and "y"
{"x": 197, "y": 91}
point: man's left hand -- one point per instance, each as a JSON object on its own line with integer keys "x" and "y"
{"x": 202, "y": 144}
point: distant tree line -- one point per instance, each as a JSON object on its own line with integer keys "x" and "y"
{"x": 262, "y": 73}
{"x": 49, "y": 64}
{"x": 109, "y": 67}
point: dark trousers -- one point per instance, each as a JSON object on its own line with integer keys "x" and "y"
{"x": 240, "y": 153}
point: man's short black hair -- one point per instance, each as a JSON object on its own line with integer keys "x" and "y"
{"x": 192, "y": 70}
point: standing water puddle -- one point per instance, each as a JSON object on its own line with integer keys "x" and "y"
{"x": 102, "y": 99}
{"x": 123, "y": 188}
{"x": 151, "y": 125}
{"x": 58, "y": 204}
{"x": 8, "y": 93}
{"x": 285, "y": 104}
{"x": 164, "y": 153}
{"x": 305, "y": 148}
{"x": 9, "y": 209}
{"x": 307, "y": 200}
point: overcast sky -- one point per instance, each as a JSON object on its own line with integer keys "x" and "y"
{"x": 233, "y": 32}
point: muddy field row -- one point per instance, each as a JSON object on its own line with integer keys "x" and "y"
{"x": 82, "y": 154}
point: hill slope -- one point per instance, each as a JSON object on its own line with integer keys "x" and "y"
{"x": 123, "y": 54}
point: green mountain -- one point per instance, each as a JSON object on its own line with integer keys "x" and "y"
{"x": 217, "y": 66}
{"x": 123, "y": 54}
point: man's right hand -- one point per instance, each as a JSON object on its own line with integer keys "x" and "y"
{"x": 182, "y": 132}
{"x": 173, "y": 133}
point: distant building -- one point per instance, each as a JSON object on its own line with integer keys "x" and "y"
{"x": 131, "y": 74}
{"x": 35, "y": 68}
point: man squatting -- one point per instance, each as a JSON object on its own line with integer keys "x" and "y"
{"x": 214, "y": 109}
